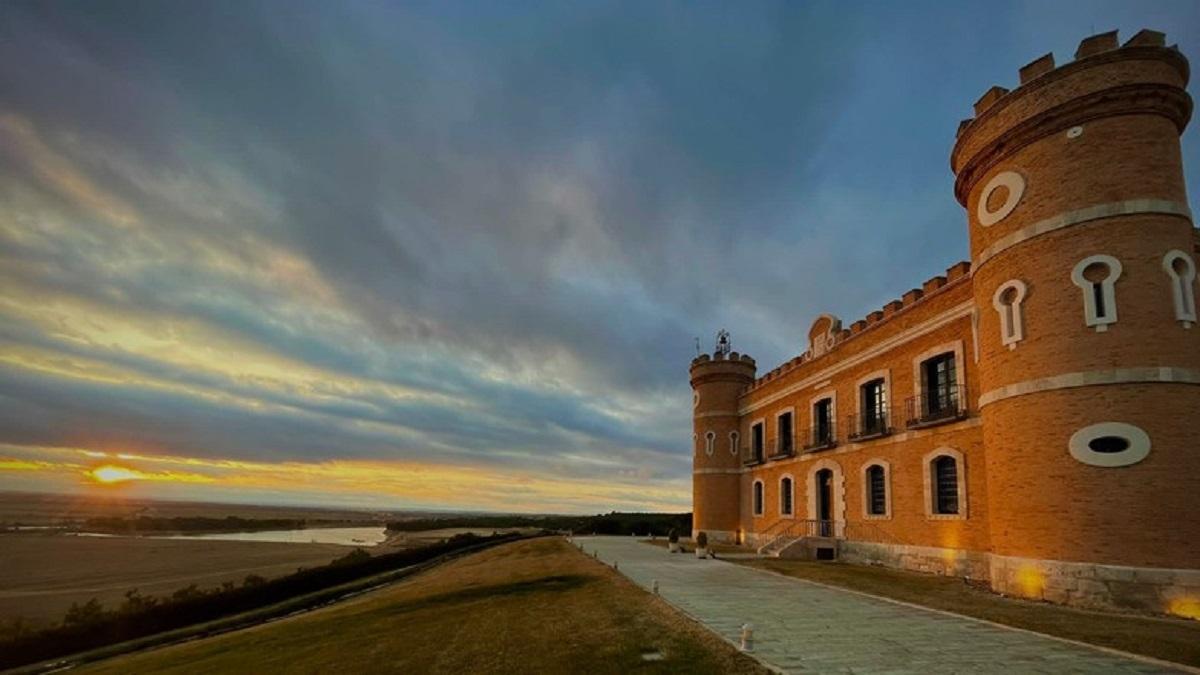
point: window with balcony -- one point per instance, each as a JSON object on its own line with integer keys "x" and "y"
{"x": 783, "y": 435}
{"x": 874, "y": 408}
{"x": 757, "y": 443}
{"x": 823, "y": 433}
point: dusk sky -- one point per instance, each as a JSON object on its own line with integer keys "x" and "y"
{"x": 451, "y": 255}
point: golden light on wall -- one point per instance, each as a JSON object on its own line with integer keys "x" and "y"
{"x": 1031, "y": 581}
{"x": 1187, "y": 607}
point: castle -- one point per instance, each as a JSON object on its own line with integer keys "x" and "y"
{"x": 1027, "y": 419}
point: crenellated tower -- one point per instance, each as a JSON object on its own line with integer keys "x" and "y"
{"x": 1084, "y": 276}
{"x": 717, "y": 383}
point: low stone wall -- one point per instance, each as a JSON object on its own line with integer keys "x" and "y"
{"x": 1170, "y": 591}
{"x": 928, "y": 559}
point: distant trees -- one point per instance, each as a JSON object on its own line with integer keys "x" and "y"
{"x": 645, "y": 524}
{"x": 116, "y": 525}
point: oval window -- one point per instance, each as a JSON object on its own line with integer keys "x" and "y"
{"x": 1109, "y": 444}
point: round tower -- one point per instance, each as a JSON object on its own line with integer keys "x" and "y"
{"x": 1083, "y": 262}
{"x": 717, "y": 382}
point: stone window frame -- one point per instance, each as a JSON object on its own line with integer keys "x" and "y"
{"x": 1108, "y": 290}
{"x": 961, "y": 475}
{"x": 830, "y": 394}
{"x": 753, "y": 423}
{"x": 1014, "y": 182}
{"x": 734, "y": 437}
{"x": 884, "y": 374}
{"x": 774, "y": 449}
{"x": 758, "y": 498}
{"x": 1136, "y": 437}
{"x": 788, "y": 477}
{"x": 710, "y": 442}
{"x": 1012, "y": 315}
{"x": 1183, "y": 288}
{"x": 866, "y": 489}
{"x": 960, "y": 369}
{"x": 838, "y": 490}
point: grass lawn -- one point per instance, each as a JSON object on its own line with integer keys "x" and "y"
{"x": 537, "y": 606}
{"x": 1164, "y": 638}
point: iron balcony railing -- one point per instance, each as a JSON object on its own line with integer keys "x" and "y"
{"x": 863, "y": 427}
{"x": 782, "y": 447}
{"x": 820, "y": 437}
{"x": 935, "y": 406}
{"x": 751, "y": 456}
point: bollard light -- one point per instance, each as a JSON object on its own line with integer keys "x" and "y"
{"x": 747, "y": 637}
{"x": 654, "y": 587}
{"x": 614, "y": 564}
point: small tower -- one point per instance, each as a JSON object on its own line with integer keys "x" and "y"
{"x": 717, "y": 382}
{"x": 1082, "y": 250}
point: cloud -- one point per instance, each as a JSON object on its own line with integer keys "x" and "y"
{"x": 455, "y": 235}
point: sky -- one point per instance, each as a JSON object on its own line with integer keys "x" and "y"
{"x": 456, "y": 255}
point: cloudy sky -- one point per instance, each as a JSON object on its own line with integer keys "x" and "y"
{"x": 456, "y": 255}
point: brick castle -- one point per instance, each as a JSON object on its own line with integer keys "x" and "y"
{"x": 1029, "y": 418}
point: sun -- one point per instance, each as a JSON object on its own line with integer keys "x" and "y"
{"x": 113, "y": 474}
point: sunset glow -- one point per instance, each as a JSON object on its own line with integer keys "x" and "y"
{"x": 112, "y": 474}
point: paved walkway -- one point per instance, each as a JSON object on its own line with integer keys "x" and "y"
{"x": 806, "y": 627}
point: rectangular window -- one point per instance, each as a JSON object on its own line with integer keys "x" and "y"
{"x": 874, "y": 407}
{"x": 756, "y": 441}
{"x": 941, "y": 389}
{"x": 878, "y": 486}
{"x": 823, "y": 422}
{"x": 758, "y": 499}
{"x": 784, "y": 430}
{"x": 945, "y": 471}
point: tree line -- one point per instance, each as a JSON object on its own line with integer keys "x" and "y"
{"x": 624, "y": 524}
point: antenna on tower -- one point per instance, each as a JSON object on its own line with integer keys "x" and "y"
{"x": 697, "y": 345}
{"x": 722, "y": 343}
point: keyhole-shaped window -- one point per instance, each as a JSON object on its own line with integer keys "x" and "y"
{"x": 1007, "y": 301}
{"x": 710, "y": 442}
{"x": 733, "y": 442}
{"x": 1097, "y": 276}
{"x": 1182, "y": 271}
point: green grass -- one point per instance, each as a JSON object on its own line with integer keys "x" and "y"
{"x": 535, "y": 606}
{"x": 1169, "y": 639}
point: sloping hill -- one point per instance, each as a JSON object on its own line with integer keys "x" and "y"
{"x": 530, "y": 606}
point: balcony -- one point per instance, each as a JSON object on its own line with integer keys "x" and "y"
{"x": 940, "y": 406}
{"x": 821, "y": 437}
{"x": 866, "y": 427}
{"x": 752, "y": 456}
{"x": 782, "y": 448}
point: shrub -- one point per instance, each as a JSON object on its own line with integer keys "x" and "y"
{"x": 673, "y": 536}
{"x": 701, "y": 540}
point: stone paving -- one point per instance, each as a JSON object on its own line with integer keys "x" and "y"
{"x": 806, "y": 627}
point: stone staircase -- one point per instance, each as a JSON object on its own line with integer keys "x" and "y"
{"x": 803, "y": 539}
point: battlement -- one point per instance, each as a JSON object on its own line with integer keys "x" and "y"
{"x": 1148, "y": 76}
{"x": 954, "y": 274}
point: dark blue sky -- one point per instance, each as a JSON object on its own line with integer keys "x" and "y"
{"x": 474, "y": 239}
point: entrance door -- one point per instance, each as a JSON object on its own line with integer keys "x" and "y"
{"x": 824, "y": 502}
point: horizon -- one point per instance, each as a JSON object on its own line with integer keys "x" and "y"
{"x": 428, "y": 258}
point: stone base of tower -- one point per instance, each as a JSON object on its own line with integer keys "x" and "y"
{"x": 718, "y": 536}
{"x": 1085, "y": 585}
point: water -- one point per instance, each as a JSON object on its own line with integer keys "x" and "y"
{"x": 344, "y": 536}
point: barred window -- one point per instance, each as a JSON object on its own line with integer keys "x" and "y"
{"x": 945, "y": 481}
{"x": 877, "y": 491}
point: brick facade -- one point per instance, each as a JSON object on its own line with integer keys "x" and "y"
{"x": 1065, "y": 416}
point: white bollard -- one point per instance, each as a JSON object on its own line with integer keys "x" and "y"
{"x": 596, "y": 555}
{"x": 614, "y": 564}
{"x": 747, "y": 637}
{"x": 654, "y": 587}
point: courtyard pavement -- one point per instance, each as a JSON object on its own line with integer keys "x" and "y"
{"x": 805, "y": 627}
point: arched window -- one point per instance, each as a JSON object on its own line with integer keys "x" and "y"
{"x": 758, "y": 498}
{"x": 1182, "y": 271}
{"x": 733, "y": 442}
{"x": 1007, "y": 301}
{"x": 945, "y": 480}
{"x": 876, "y": 491}
{"x": 786, "y": 496}
{"x": 945, "y": 485}
{"x": 1096, "y": 276}
{"x": 710, "y": 442}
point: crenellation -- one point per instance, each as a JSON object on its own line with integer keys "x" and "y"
{"x": 933, "y": 284}
{"x": 989, "y": 98}
{"x": 1097, "y": 44}
{"x": 1147, "y": 38}
{"x": 1036, "y": 68}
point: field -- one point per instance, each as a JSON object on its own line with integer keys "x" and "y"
{"x": 531, "y": 606}
{"x": 43, "y": 573}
